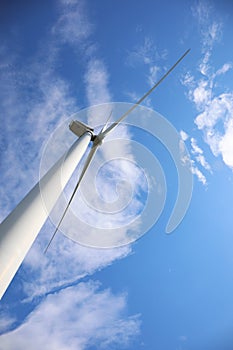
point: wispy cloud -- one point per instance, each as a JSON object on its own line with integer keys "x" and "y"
{"x": 201, "y": 177}
{"x": 210, "y": 29}
{"x": 197, "y": 157}
{"x": 73, "y": 25}
{"x": 97, "y": 81}
{"x": 201, "y": 159}
{"x": 195, "y": 148}
{"x": 74, "y": 318}
{"x": 153, "y": 75}
{"x": 201, "y": 94}
{"x": 6, "y": 321}
{"x": 148, "y": 55}
{"x": 198, "y": 153}
{"x": 215, "y": 108}
{"x": 63, "y": 264}
{"x": 224, "y": 69}
{"x": 34, "y": 120}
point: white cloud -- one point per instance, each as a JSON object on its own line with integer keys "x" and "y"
{"x": 64, "y": 263}
{"x": 35, "y": 120}
{"x": 210, "y": 29}
{"x": 201, "y": 159}
{"x": 204, "y": 66}
{"x": 214, "y": 112}
{"x": 74, "y": 318}
{"x": 188, "y": 80}
{"x": 6, "y": 321}
{"x": 96, "y": 79}
{"x": 73, "y": 25}
{"x": 113, "y": 202}
{"x": 195, "y": 148}
{"x": 224, "y": 69}
{"x": 226, "y": 143}
{"x": 145, "y": 53}
{"x": 201, "y": 94}
{"x": 201, "y": 177}
{"x": 184, "y": 135}
{"x": 199, "y": 156}
{"x": 153, "y": 74}
{"x": 148, "y": 55}
{"x": 213, "y": 33}
{"x": 183, "y": 156}
{"x": 216, "y": 123}
{"x": 215, "y": 109}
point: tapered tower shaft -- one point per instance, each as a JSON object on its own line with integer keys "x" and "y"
{"x": 21, "y": 227}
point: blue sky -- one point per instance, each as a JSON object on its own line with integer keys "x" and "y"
{"x": 163, "y": 291}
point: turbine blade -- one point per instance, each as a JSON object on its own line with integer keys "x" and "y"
{"x": 106, "y": 123}
{"x": 85, "y": 167}
{"x": 112, "y": 126}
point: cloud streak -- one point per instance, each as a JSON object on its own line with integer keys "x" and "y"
{"x": 73, "y": 25}
{"x": 74, "y": 318}
{"x": 63, "y": 264}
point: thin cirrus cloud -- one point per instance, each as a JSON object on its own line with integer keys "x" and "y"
{"x": 210, "y": 29}
{"x": 73, "y": 25}
{"x": 147, "y": 54}
{"x": 6, "y": 321}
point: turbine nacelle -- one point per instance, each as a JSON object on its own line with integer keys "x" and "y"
{"x": 79, "y": 128}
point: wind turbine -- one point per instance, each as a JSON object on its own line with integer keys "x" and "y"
{"x": 21, "y": 227}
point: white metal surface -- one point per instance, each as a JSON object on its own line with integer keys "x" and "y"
{"x": 79, "y": 128}
{"x": 20, "y": 228}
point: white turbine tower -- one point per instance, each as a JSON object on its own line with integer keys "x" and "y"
{"x": 21, "y": 227}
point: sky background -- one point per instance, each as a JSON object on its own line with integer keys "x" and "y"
{"x": 163, "y": 291}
